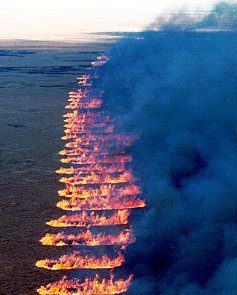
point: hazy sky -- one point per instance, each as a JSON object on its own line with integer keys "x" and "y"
{"x": 66, "y": 19}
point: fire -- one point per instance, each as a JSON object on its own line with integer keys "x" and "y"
{"x": 88, "y": 118}
{"x": 91, "y": 104}
{"x": 82, "y": 93}
{"x": 98, "y": 203}
{"x": 88, "y": 149}
{"x": 113, "y": 140}
{"x": 99, "y": 158}
{"x": 83, "y": 80}
{"x": 95, "y": 178}
{"x": 76, "y": 260}
{"x": 86, "y": 219}
{"x": 101, "y": 60}
{"x": 97, "y": 168}
{"x": 103, "y": 190}
{"x": 86, "y": 238}
{"x": 94, "y": 286}
{"x": 82, "y": 129}
{"x": 100, "y": 185}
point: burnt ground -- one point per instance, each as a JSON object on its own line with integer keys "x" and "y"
{"x": 33, "y": 93}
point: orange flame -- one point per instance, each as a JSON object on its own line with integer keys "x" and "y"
{"x": 85, "y": 219}
{"x": 82, "y": 93}
{"x": 94, "y": 149}
{"x": 85, "y": 126}
{"x": 88, "y": 118}
{"x": 98, "y": 184}
{"x": 98, "y": 203}
{"x": 95, "y": 178}
{"x": 95, "y": 286}
{"x": 90, "y": 104}
{"x": 83, "y": 80}
{"x": 101, "y": 60}
{"x": 103, "y": 190}
{"x": 88, "y": 239}
{"x": 111, "y": 140}
{"x": 94, "y": 159}
{"x": 77, "y": 261}
{"x": 96, "y": 129}
{"x": 97, "y": 168}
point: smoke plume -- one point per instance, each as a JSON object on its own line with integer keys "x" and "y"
{"x": 223, "y": 17}
{"x": 178, "y": 91}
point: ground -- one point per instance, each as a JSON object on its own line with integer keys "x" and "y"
{"x": 34, "y": 82}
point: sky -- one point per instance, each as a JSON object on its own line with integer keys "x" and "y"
{"x": 65, "y": 20}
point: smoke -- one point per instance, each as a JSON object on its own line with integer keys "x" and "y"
{"x": 178, "y": 91}
{"x": 222, "y": 17}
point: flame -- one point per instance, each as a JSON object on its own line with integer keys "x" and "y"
{"x": 95, "y": 178}
{"x": 99, "y": 158}
{"x": 86, "y": 238}
{"x": 98, "y": 203}
{"x": 89, "y": 149}
{"x": 83, "y": 80}
{"x": 101, "y": 60}
{"x": 103, "y": 190}
{"x": 85, "y": 126}
{"x": 77, "y": 261}
{"x": 81, "y": 130}
{"x": 86, "y": 77}
{"x": 82, "y": 93}
{"x": 111, "y": 140}
{"x": 97, "y": 168}
{"x": 91, "y": 286}
{"x": 98, "y": 183}
{"x": 90, "y": 104}
{"x": 88, "y": 118}
{"x": 86, "y": 219}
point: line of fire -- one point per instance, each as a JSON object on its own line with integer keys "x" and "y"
{"x": 99, "y": 194}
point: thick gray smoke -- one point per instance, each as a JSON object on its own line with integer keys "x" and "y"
{"x": 178, "y": 90}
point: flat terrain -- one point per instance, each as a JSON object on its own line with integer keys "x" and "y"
{"x": 33, "y": 91}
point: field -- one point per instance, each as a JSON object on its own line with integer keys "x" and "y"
{"x": 35, "y": 78}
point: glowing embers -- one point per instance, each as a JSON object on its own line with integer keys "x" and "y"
{"x": 76, "y": 260}
{"x": 102, "y": 190}
{"x": 87, "y": 238}
{"x": 91, "y": 286}
{"x": 85, "y": 219}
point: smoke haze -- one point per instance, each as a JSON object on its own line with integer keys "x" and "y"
{"x": 178, "y": 91}
{"x": 223, "y": 17}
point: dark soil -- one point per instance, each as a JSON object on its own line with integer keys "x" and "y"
{"x": 32, "y": 100}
